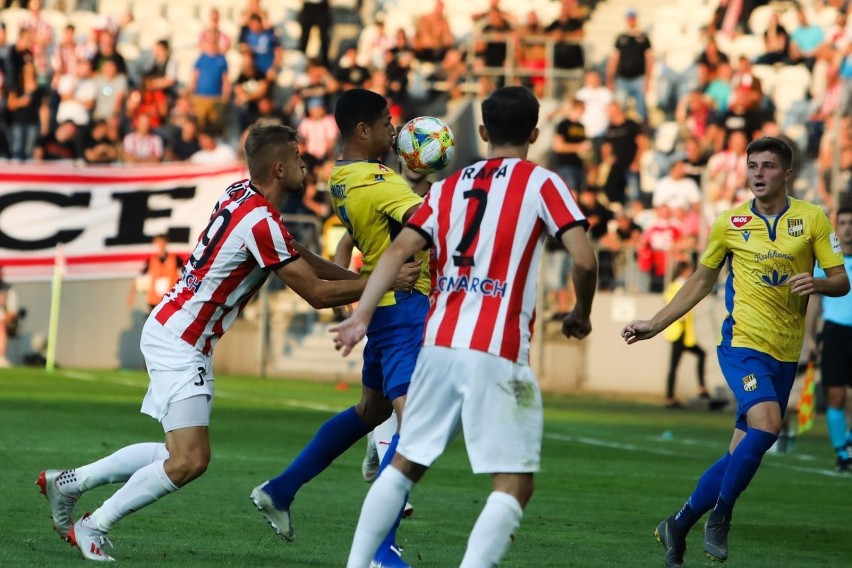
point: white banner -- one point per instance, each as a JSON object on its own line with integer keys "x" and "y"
{"x": 103, "y": 217}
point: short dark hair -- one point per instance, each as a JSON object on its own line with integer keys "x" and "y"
{"x": 844, "y": 209}
{"x": 264, "y": 144}
{"x": 355, "y": 106}
{"x": 510, "y": 114}
{"x": 774, "y": 146}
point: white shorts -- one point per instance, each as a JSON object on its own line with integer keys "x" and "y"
{"x": 186, "y": 413}
{"x": 495, "y": 401}
{"x": 176, "y": 370}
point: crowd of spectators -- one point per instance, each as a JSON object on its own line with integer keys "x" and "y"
{"x": 653, "y": 150}
{"x": 656, "y": 153}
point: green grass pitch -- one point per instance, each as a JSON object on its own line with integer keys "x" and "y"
{"x": 608, "y": 477}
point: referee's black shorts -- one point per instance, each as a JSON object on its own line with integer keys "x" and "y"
{"x": 836, "y": 355}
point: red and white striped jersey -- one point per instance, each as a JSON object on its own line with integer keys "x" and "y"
{"x": 488, "y": 222}
{"x": 244, "y": 241}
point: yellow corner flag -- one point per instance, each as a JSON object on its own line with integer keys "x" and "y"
{"x": 807, "y": 410}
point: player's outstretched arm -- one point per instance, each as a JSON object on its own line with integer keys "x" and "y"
{"x": 319, "y": 293}
{"x": 835, "y": 283}
{"x": 323, "y": 268}
{"x": 699, "y": 285}
{"x": 351, "y": 331}
{"x": 585, "y": 277}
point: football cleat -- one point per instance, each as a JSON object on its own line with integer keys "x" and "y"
{"x": 408, "y": 510}
{"x": 61, "y": 505}
{"x": 390, "y": 557}
{"x": 278, "y": 519}
{"x": 370, "y": 465}
{"x": 844, "y": 465}
{"x": 716, "y": 538}
{"x": 90, "y": 540}
{"x": 675, "y": 544}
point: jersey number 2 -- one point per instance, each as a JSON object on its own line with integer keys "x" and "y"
{"x": 462, "y": 258}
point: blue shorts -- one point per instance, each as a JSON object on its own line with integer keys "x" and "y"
{"x": 394, "y": 339}
{"x": 755, "y": 377}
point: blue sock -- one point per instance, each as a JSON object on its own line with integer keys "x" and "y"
{"x": 743, "y": 465}
{"x": 390, "y": 539}
{"x": 332, "y": 439}
{"x": 836, "y": 419}
{"x": 705, "y": 495}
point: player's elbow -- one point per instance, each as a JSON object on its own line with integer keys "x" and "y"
{"x": 585, "y": 265}
{"x": 841, "y": 289}
{"x": 319, "y": 300}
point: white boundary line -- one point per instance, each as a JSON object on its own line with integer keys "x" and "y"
{"x": 585, "y": 440}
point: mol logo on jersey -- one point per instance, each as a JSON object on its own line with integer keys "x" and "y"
{"x": 740, "y": 221}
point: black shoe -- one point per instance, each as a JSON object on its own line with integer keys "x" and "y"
{"x": 668, "y": 535}
{"x": 674, "y": 405}
{"x": 704, "y": 396}
{"x": 716, "y": 538}
{"x": 717, "y": 404}
{"x": 844, "y": 465}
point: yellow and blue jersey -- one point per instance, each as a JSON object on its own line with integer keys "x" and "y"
{"x": 370, "y": 200}
{"x": 763, "y": 254}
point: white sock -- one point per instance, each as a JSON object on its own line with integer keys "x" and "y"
{"x": 382, "y": 435}
{"x": 493, "y": 531}
{"x": 143, "y": 488}
{"x": 380, "y": 509}
{"x": 119, "y": 466}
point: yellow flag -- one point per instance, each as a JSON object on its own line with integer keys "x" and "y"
{"x": 807, "y": 409}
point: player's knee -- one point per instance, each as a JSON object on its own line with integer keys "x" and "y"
{"x": 519, "y": 486}
{"x": 184, "y": 468}
{"x": 373, "y": 411}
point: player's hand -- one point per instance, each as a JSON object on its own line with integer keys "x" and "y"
{"x": 348, "y": 334}
{"x": 407, "y": 277}
{"x": 576, "y": 326}
{"x": 637, "y": 331}
{"x": 802, "y": 284}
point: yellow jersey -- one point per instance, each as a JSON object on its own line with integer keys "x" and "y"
{"x": 763, "y": 254}
{"x": 685, "y": 326}
{"x": 370, "y": 200}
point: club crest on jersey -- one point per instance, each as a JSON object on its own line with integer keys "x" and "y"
{"x": 795, "y": 227}
{"x": 740, "y": 221}
{"x": 750, "y": 383}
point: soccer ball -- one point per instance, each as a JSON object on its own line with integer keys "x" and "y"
{"x": 426, "y": 145}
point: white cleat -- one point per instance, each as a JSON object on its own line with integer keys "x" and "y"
{"x": 408, "y": 510}
{"x": 61, "y": 505}
{"x": 370, "y": 465}
{"x": 91, "y": 541}
{"x": 278, "y": 519}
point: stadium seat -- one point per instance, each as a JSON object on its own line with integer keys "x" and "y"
{"x": 113, "y": 7}
{"x": 825, "y": 17}
{"x": 796, "y": 81}
{"x": 83, "y": 22}
{"x": 185, "y": 61}
{"x": 746, "y": 45}
{"x": 185, "y": 36}
{"x": 759, "y": 19}
{"x": 768, "y": 76}
{"x": 147, "y": 10}
{"x": 56, "y": 19}
{"x": 179, "y": 12}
